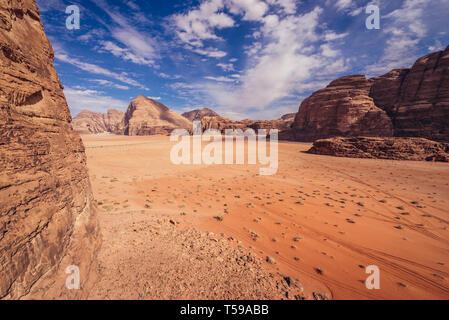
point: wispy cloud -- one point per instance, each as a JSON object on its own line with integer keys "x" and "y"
{"x": 110, "y": 84}
{"x": 92, "y": 100}
{"x": 61, "y": 55}
{"x": 405, "y": 28}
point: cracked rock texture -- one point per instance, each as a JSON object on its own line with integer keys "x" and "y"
{"x": 47, "y": 221}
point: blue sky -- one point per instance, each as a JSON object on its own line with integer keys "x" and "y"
{"x": 253, "y": 59}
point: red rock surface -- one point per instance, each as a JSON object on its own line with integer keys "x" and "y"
{"x": 148, "y": 117}
{"x": 417, "y": 98}
{"x": 88, "y": 122}
{"x": 47, "y": 221}
{"x": 343, "y": 108}
{"x": 222, "y": 123}
{"x": 416, "y": 102}
{"x": 417, "y": 149}
{"x": 199, "y": 114}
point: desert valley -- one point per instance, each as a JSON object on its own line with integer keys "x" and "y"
{"x": 362, "y": 180}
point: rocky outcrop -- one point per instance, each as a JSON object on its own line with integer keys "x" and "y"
{"x": 418, "y": 101}
{"x": 47, "y": 221}
{"x": 343, "y": 108}
{"x": 199, "y": 114}
{"x": 417, "y": 149}
{"x": 88, "y": 122}
{"x": 222, "y": 123}
{"x": 148, "y": 117}
{"x": 404, "y": 103}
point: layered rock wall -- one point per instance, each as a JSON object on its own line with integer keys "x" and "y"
{"x": 47, "y": 221}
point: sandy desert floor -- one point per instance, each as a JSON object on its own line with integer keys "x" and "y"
{"x": 320, "y": 219}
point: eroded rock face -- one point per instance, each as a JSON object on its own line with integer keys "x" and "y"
{"x": 404, "y": 103}
{"x": 343, "y": 108}
{"x": 419, "y": 98}
{"x": 417, "y": 149}
{"x": 148, "y": 117}
{"x": 222, "y": 123}
{"x": 47, "y": 221}
{"x": 88, "y": 122}
{"x": 199, "y": 114}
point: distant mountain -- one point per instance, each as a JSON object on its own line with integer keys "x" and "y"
{"x": 88, "y": 122}
{"x": 199, "y": 114}
{"x": 222, "y": 123}
{"x": 402, "y": 103}
{"x": 149, "y": 117}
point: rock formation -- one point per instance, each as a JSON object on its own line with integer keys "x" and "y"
{"x": 417, "y": 149}
{"x": 405, "y": 103}
{"x": 148, "y": 117}
{"x": 199, "y": 114}
{"x": 222, "y": 123}
{"x": 47, "y": 221}
{"x": 418, "y": 99}
{"x": 343, "y": 108}
{"x": 88, "y": 122}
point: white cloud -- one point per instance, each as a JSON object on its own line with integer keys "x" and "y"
{"x": 140, "y": 46}
{"x": 330, "y": 36}
{"x": 288, "y": 6}
{"x": 110, "y": 84}
{"x": 343, "y": 4}
{"x": 226, "y": 66}
{"x": 220, "y": 79}
{"x": 282, "y": 65}
{"x": 95, "y": 69}
{"x": 252, "y": 10}
{"x": 92, "y": 100}
{"x": 404, "y": 28}
{"x": 125, "y": 53}
{"x": 167, "y": 76}
{"x": 200, "y": 24}
{"x": 211, "y": 52}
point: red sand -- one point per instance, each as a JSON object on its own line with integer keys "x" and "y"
{"x": 312, "y": 197}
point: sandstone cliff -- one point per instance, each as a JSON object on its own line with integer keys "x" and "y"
{"x": 418, "y": 99}
{"x": 417, "y": 149}
{"x": 47, "y": 221}
{"x": 88, "y": 122}
{"x": 343, "y": 108}
{"x": 405, "y": 103}
{"x": 199, "y": 114}
{"x": 148, "y": 117}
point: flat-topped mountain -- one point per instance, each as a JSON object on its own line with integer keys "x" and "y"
{"x": 89, "y": 122}
{"x": 148, "y": 117}
{"x": 403, "y": 103}
{"x": 199, "y": 114}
